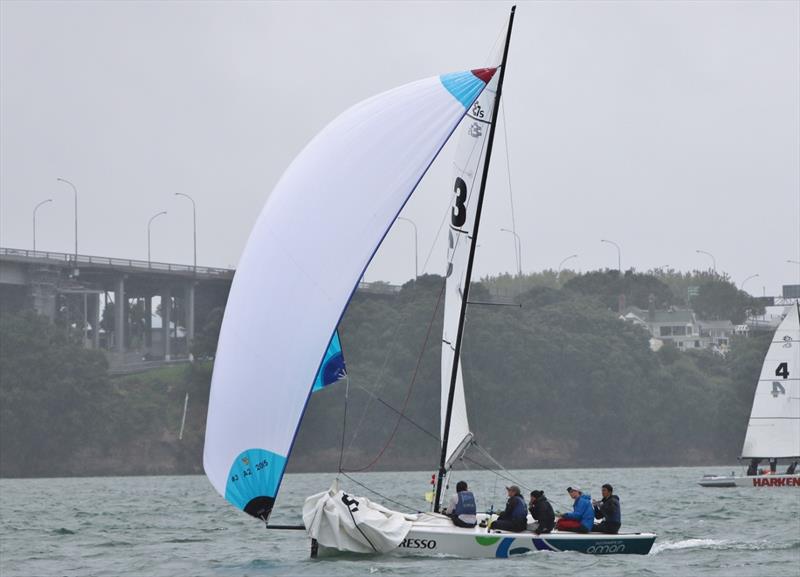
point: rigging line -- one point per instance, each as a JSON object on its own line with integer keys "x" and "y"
{"x": 498, "y": 464}
{"x": 384, "y": 497}
{"x": 406, "y": 417}
{"x": 411, "y": 384}
{"x": 382, "y": 372}
{"x": 344, "y": 419}
{"x": 495, "y": 471}
{"x": 510, "y": 194}
{"x": 438, "y": 233}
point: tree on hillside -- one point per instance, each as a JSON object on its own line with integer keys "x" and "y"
{"x": 51, "y": 396}
{"x": 719, "y": 299}
{"x": 607, "y": 285}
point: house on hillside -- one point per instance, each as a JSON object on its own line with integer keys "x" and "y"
{"x": 682, "y": 328}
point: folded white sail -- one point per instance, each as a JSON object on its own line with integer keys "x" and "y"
{"x": 349, "y": 523}
{"x": 774, "y": 427}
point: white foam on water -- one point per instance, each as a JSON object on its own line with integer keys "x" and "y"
{"x": 686, "y": 544}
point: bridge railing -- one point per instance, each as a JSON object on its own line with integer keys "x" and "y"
{"x": 70, "y": 259}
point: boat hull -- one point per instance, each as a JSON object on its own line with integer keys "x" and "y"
{"x": 436, "y": 535}
{"x": 769, "y": 481}
{"x": 480, "y": 544}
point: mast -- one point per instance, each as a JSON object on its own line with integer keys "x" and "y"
{"x": 468, "y": 276}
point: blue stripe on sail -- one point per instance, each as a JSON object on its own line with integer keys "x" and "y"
{"x": 255, "y": 474}
{"x": 332, "y": 368}
{"x": 464, "y": 86}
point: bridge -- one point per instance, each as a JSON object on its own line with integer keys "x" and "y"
{"x": 75, "y": 290}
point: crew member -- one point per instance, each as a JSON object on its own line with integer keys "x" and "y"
{"x": 515, "y": 516}
{"x": 608, "y": 511}
{"x": 581, "y": 519}
{"x": 461, "y": 508}
{"x": 542, "y": 511}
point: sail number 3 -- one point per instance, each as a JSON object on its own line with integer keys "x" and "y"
{"x": 459, "y": 214}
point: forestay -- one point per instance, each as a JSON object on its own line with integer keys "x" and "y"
{"x": 774, "y": 427}
{"x": 467, "y": 177}
{"x": 311, "y": 243}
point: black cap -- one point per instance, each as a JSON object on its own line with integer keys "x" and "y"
{"x": 537, "y": 494}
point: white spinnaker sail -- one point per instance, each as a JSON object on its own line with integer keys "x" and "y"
{"x": 467, "y": 178}
{"x": 774, "y": 427}
{"x": 314, "y": 238}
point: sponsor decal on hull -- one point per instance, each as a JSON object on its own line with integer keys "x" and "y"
{"x": 776, "y": 482}
{"x": 418, "y": 543}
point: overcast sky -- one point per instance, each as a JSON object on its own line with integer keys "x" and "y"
{"x": 666, "y": 127}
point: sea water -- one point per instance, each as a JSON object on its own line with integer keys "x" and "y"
{"x": 167, "y": 526}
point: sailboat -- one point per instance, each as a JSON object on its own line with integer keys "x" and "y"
{"x": 773, "y": 431}
{"x": 316, "y": 235}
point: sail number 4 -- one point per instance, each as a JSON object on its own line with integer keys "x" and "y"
{"x": 777, "y": 387}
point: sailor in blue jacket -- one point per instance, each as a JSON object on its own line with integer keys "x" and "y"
{"x": 582, "y": 511}
{"x": 515, "y": 516}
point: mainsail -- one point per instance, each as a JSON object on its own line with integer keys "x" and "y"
{"x": 774, "y": 427}
{"x": 312, "y": 242}
{"x": 467, "y": 178}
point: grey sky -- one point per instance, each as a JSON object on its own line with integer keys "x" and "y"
{"x": 665, "y": 126}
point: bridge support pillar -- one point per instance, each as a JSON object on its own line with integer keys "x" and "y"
{"x": 148, "y": 324}
{"x": 166, "y": 319}
{"x": 119, "y": 315}
{"x": 95, "y": 319}
{"x": 189, "y": 312}
{"x": 43, "y": 291}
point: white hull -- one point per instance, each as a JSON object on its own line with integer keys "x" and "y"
{"x": 435, "y": 535}
{"x": 770, "y": 481}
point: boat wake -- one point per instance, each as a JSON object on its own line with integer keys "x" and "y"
{"x": 687, "y": 544}
{"x": 720, "y": 544}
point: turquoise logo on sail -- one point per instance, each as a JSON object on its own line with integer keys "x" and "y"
{"x": 333, "y": 367}
{"x": 253, "y": 480}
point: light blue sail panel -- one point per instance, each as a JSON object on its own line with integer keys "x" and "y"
{"x": 466, "y": 86}
{"x": 333, "y": 368}
{"x": 253, "y": 481}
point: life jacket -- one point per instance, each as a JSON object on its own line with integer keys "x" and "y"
{"x": 520, "y": 510}
{"x": 466, "y": 504}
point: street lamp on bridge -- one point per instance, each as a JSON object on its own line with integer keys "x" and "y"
{"x": 416, "y": 251}
{"x": 517, "y": 249}
{"x": 558, "y": 274}
{"x": 194, "y": 226}
{"x": 619, "y": 254}
{"x": 34, "y": 220}
{"x": 713, "y": 260}
{"x": 741, "y": 286}
{"x": 75, "y": 190}
{"x": 149, "y": 222}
